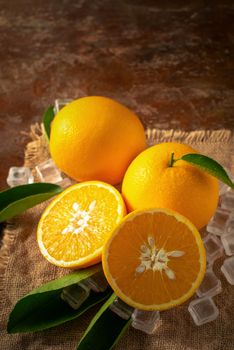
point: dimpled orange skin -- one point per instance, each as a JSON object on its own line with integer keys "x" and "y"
{"x": 96, "y": 138}
{"x": 150, "y": 182}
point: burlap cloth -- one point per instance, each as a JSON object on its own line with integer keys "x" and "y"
{"x": 23, "y": 268}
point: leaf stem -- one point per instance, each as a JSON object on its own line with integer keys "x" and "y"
{"x": 172, "y": 160}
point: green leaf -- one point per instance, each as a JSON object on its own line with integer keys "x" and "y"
{"x": 43, "y": 308}
{"x": 105, "y": 329}
{"x": 210, "y": 166}
{"x": 47, "y": 119}
{"x": 17, "y": 199}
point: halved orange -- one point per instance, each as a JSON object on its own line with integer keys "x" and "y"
{"x": 155, "y": 259}
{"x": 76, "y": 224}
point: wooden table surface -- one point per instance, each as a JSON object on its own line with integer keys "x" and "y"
{"x": 172, "y": 62}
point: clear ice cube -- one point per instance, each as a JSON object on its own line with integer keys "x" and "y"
{"x": 227, "y": 200}
{"x": 75, "y": 295}
{"x": 66, "y": 182}
{"x": 214, "y": 248}
{"x": 223, "y": 188}
{"x": 48, "y": 172}
{"x": 60, "y": 103}
{"x": 121, "y": 309}
{"x": 146, "y": 321}
{"x": 228, "y": 243}
{"x": 218, "y": 222}
{"x": 97, "y": 282}
{"x": 229, "y": 228}
{"x": 228, "y": 269}
{"x": 203, "y": 310}
{"x": 210, "y": 285}
{"x": 19, "y": 176}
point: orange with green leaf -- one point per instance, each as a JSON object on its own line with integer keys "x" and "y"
{"x": 162, "y": 177}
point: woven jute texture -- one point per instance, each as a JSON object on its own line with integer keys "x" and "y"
{"x": 22, "y": 268}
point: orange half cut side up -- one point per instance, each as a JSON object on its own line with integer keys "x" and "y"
{"x": 76, "y": 224}
{"x": 155, "y": 259}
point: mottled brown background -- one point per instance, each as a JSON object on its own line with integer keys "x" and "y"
{"x": 170, "y": 61}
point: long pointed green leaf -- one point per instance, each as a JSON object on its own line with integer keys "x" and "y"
{"x": 43, "y": 308}
{"x": 67, "y": 280}
{"x": 105, "y": 329}
{"x": 210, "y": 166}
{"x": 16, "y": 200}
{"x": 47, "y": 119}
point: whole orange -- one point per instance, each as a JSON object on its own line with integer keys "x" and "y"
{"x": 151, "y": 183}
{"x": 96, "y": 138}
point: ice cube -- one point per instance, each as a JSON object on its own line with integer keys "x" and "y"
{"x": 228, "y": 269}
{"x": 203, "y": 310}
{"x": 146, "y": 321}
{"x": 97, "y": 282}
{"x": 214, "y": 248}
{"x": 60, "y": 103}
{"x": 121, "y": 309}
{"x": 19, "y": 176}
{"x": 210, "y": 285}
{"x": 66, "y": 182}
{"x": 229, "y": 228}
{"x": 75, "y": 295}
{"x": 48, "y": 172}
{"x": 228, "y": 243}
{"x": 223, "y": 188}
{"x": 218, "y": 222}
{"x": 227, "y": 200}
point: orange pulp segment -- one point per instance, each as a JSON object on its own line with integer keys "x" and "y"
{"x": 155, "y": 259}
{"x": 76, "y": 224}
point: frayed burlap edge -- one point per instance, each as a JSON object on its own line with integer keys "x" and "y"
{"x": 37, "y": 151}
{"x": 200, "y": 136}
{"x": 7, "y": 243}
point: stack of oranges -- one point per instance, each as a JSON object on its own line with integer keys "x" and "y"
{"x": 154, "y": 257}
